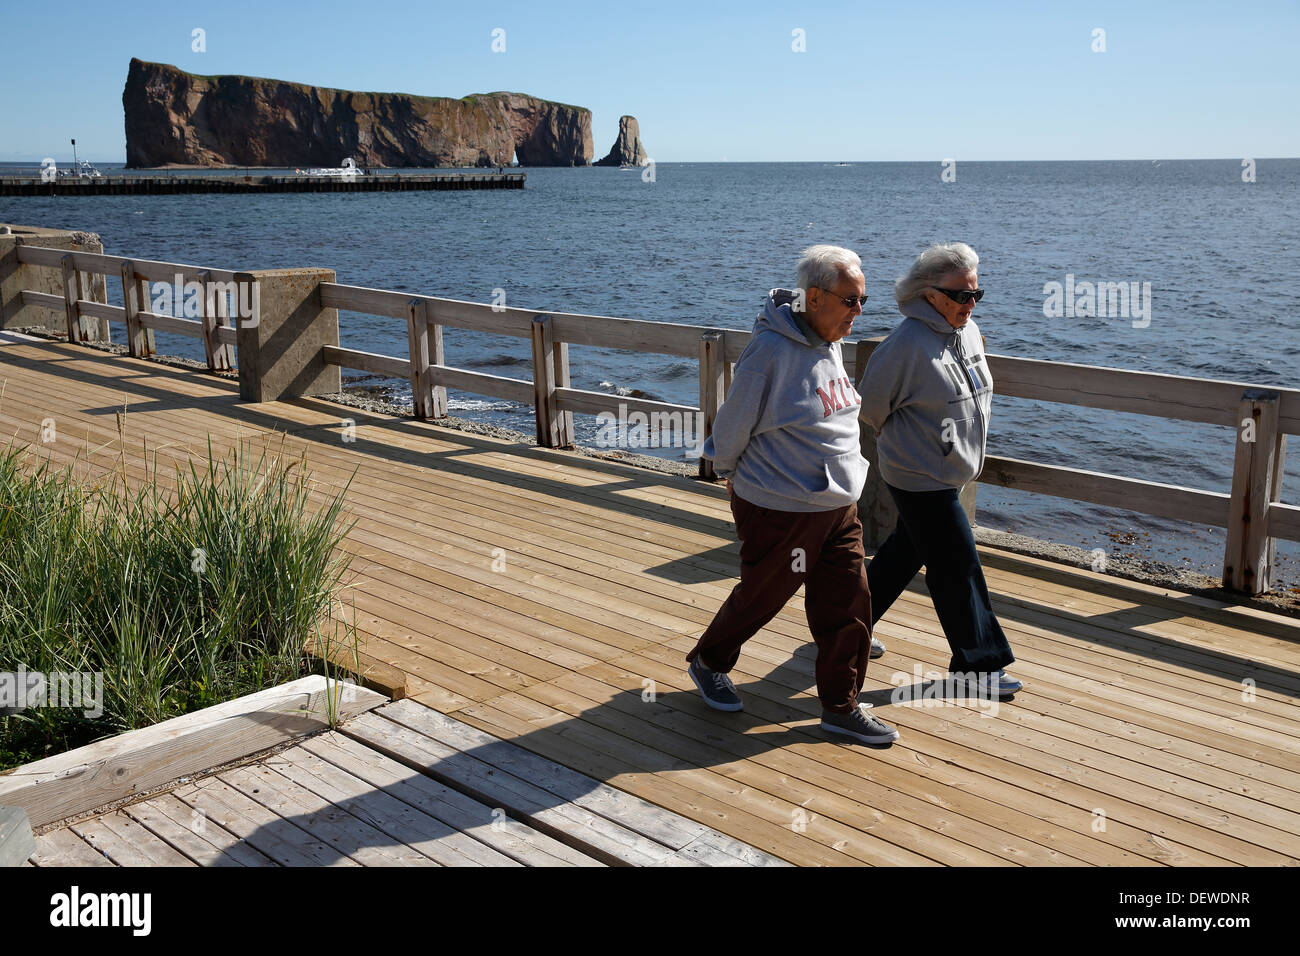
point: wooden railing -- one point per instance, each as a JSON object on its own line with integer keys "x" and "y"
{"x": 137, "y": 314}
{"x": 1252, "y": 512}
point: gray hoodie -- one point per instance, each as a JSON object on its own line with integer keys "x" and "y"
{"x": 928, "y": 393}
{"x": 787, "y": 434}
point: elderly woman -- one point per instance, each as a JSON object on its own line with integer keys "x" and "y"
{"x": 786, "y": 440}
{"x": 927, "y": 392}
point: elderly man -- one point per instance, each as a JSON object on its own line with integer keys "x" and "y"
{"x": 786, "y": 440}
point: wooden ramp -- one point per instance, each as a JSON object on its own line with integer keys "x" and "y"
{"x": 548, "y": 599}
{"x": 392, "y": 788}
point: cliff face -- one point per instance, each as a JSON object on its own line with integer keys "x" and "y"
{"x": 627, "y": 150}
{"x": 178, "y": 117}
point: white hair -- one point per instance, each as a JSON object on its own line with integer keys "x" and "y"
{"x": 931, "y": 266}
{"x": 821, "y": 266}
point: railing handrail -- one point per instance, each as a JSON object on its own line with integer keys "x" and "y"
{"x": 1159, "y": 394}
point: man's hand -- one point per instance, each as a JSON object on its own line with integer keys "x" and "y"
{"x": 729, "y": 486}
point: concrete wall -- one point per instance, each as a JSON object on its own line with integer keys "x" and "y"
{"x": 280, "y": 348}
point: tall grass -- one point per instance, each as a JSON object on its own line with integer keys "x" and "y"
{"x": 182, "y": 593}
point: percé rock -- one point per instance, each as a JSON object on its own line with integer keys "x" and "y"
{"x": 627, "y": 150}
{"x": 182, "y": 118}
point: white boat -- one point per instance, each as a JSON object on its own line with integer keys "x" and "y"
{"x": 84, "y": 170}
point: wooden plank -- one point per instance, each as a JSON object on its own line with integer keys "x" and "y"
{"x": 575, "y": 826}
{"x": 128, "y": 843}
{"x": 170, "y": 323}
{"x": 99, "y": 310}
{"x": 266, "y": 831}
{"x": 1130, "y": 494}
{"x": 570, "y": 786}
{"x": 1284, "y": 521}
{"x": 509, "y": 836}
{"x": 16, "y": 840}
{"x": 204, "y": 841}
{"x": 675, "y": 784}
{"x": 45, "y": 300}
{"x": 481, "y": 383}
{"x": 593, "y": 403}
{"x": 366, "y": 361}
{"x": 111, "y": 265}
{"x": 421, "y": 832}
{"x": 65, "y": 848}
{"x": 348, "y": 835}
{"x": 118, "y": 767}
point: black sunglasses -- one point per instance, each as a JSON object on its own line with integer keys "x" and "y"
{"x": 961, "y": 296}
{"x": 849, "y": 300}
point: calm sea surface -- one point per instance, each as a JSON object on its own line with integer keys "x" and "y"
{"x": 703, "y": 243}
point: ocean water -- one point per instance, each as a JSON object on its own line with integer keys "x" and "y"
{"x": 702, "y": 244}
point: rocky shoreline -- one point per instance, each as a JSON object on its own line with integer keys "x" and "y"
{"x": 378, "y": 399}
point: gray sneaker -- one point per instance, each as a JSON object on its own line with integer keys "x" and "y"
{"x": 859, "y": 725}
{"x": 716, "y": 687}
{"x": 877, "y": 649}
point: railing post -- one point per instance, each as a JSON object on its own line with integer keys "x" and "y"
{"x": 544, "y": 402}
{"x": 215, "y": 310}
{"x": 131, "y": 305}
{"x": 437, "y": 356}
{"x": 561, "y": 372}
{"x": 70, "y": 298}
{"x": 225, "y": 351}
{"x": 1256, "y": 480}
{"x": 417, "y": 328}
{"x": 207, "y": 316}
{"x": 93, "y": 328}
{"x": 146, "y": 306}
{"x": 713, "y": 362}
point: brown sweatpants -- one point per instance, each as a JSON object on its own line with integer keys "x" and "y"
{"x": 779, "y": 551}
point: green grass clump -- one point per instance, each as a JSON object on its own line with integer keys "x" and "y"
{"x": 182, "y": 593}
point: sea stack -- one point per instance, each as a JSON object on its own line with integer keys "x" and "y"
{"x": 174, "y": 117}
{"x": 628, "y": 150}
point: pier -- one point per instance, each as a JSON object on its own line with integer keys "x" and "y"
{"x": 547, "y": 599}
{"x": 127, "y": 185}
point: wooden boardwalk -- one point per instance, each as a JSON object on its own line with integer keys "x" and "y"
{"x": 548, "y": 599}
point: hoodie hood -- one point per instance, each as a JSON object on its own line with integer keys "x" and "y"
{"x": 778, "y": 315}
{"x": 929, "y": 315}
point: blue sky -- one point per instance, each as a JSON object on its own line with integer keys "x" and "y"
{"x": 712, "y": 81}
